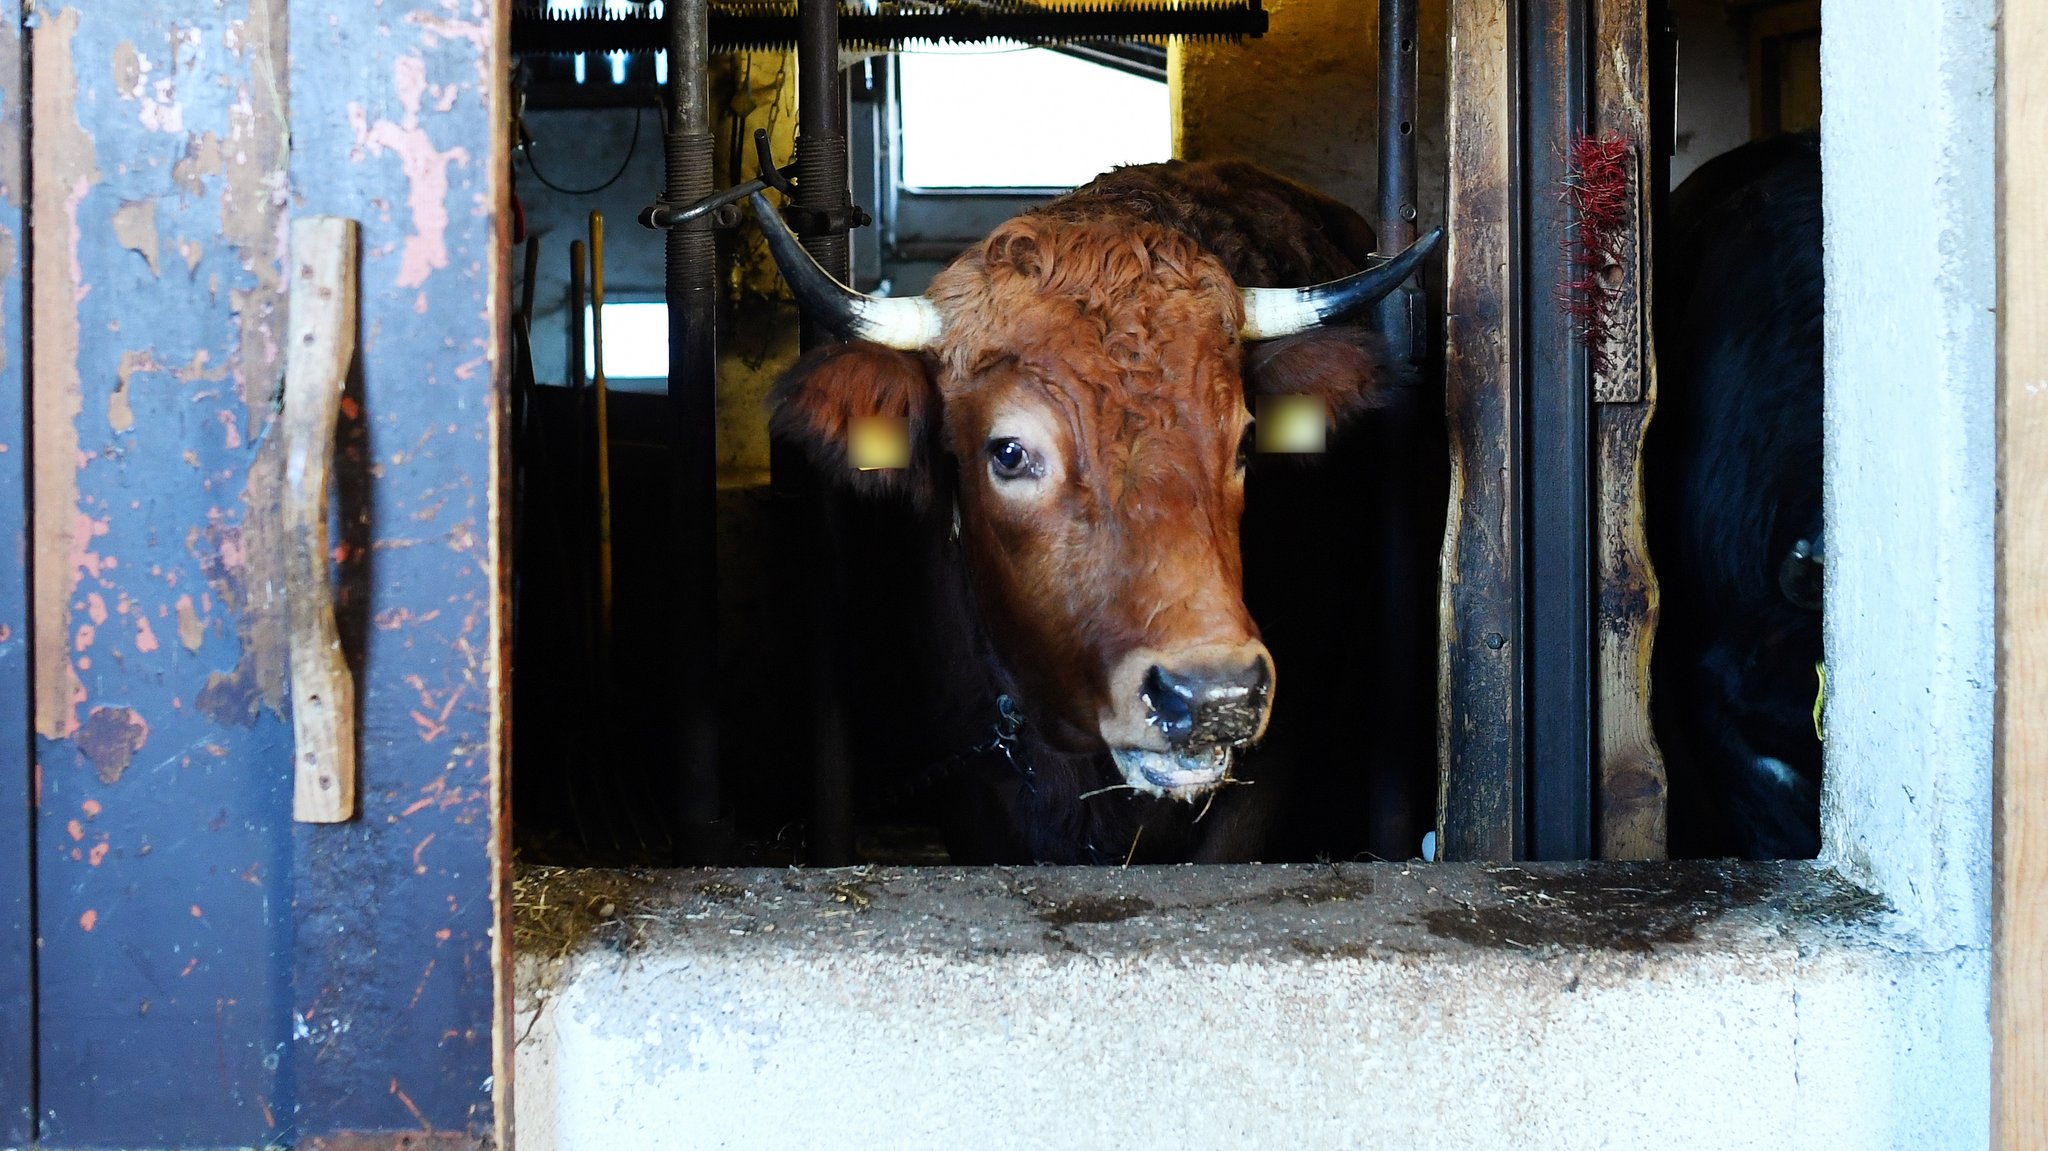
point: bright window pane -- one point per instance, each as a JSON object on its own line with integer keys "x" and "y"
{"x": 635, "y": 341}
{"x": 1024, "y": 118}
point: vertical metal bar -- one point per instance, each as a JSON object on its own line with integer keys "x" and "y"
{"x": 1400, "y": 314}
{"x": 17, "y": 859}
{"x": 1556, "y": 399}
{"x": 1397, "y": 125}
{"x": 579, "y": 264}
{"x": 1407, "y": 527}
{"x": 691, "y": 283}
{"x": 813, "y": 520}
{"x": 821, "y": 138}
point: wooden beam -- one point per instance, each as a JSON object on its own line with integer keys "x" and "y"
{"x": 1629, "y": 782}
{"x": 2019, "y": 985}
{"x": 1480, "y": 735}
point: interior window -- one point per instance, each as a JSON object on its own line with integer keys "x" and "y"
{"x": 975, "y": 117}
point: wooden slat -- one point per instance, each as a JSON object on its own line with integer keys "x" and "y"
{"x": 2019, "y": 1006}
{"x": 320, "y": 347}
{"x": 1629, "y": 778}
{"x": 1480, "y": 737}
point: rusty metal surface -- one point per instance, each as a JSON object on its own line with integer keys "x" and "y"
{"x": 1629, "y": 776}
{"x": 396, "y": 122}
{"x": 17, "y": 955}
{"x": 162, "y": 858}
{"x": 1481, "y": 739}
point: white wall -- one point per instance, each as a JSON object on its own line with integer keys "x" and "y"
{"x": 1440, "y": 1007}
{"x": 1907, "y": 160}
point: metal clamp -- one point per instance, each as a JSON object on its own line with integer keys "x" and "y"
{"x": 719, "y": 210}
{"x": 805, "y": 221}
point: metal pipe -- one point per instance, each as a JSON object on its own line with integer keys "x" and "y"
{"x": 1397, "y": 125}
{"x": 821, "y": 137}
{"x": 1400, "y": 312}
{"x": 527, "y": 282}
{"x": 579, "y": 266}
{"x": 811, "y": 521}
{"x": 691, "y": 284}
{"x": 1405, "y": 589}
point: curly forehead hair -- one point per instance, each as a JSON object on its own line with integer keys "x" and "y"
{"x": 1115, "y": 279}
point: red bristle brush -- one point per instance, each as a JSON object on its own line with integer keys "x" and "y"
{"x": 1597, "y": 187}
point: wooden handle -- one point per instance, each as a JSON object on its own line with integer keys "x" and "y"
{"x": 604, "y": 434}
{"x": 322, "y": 343}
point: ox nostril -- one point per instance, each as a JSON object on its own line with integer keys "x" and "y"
{"x": 1210, "y": 706}
{"x": 1170, "y": 702}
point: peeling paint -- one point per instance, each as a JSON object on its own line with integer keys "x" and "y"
{"x": 65, "y": 171}
{"x": 109, "y": 740}
{"x": 425, "y": 167}
{"x": 253, "y": 208}
{"x": 230, "y": 699}
{"x": 202, "y": 159}
{"x": 135, "y": 230}
{"x": 120, "y": 415}
{"x": 191, "y": 629}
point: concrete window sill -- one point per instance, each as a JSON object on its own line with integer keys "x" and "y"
{"x": 1356, "y": 1005}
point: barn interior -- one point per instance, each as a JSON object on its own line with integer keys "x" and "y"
{"x": 812, "y": 698}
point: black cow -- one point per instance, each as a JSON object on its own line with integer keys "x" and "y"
{"x": 1733, "y": 471}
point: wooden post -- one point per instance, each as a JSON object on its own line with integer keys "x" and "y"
{"x": 2019, "y": 983}
{"x": 1629, "y": 781}
{"x": 322, "y": 345}
{"x": 1479, "y": 712}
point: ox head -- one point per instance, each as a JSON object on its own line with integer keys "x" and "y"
{"x": 1081, "y": 391}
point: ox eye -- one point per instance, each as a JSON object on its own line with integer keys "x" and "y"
{"x": 1244, "y": 447}
{"x": 1009, "y": 459}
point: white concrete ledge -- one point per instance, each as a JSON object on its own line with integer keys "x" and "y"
{"x": 1414, "y": 1007}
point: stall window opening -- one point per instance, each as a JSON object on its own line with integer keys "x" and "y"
{"x": 977, "y": 117}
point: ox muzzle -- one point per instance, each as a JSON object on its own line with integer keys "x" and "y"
{"x": 1177, "y": 724}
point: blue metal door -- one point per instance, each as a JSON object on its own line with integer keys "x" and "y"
{"x": 206, "y": 972}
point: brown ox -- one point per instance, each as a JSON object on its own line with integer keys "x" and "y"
{"x": 1078, "y": 391}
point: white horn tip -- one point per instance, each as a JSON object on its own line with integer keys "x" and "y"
{"x": 905, "y": 322}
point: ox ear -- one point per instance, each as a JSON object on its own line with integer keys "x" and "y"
{"x": 817, "y": 400}
{"x": 1348, "y": 367}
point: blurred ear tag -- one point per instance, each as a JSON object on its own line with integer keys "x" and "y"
{"x": 874, "y": 443}
{"x": 1292, "y": 423}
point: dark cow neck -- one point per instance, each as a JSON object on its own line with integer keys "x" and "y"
{"x": 1029, "y": 800}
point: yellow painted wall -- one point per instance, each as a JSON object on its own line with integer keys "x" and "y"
{"x": 1304, "y": 100}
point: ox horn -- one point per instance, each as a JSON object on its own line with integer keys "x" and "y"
{"x": 1273, "y": 312}
{"x": 907, "y": 322}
